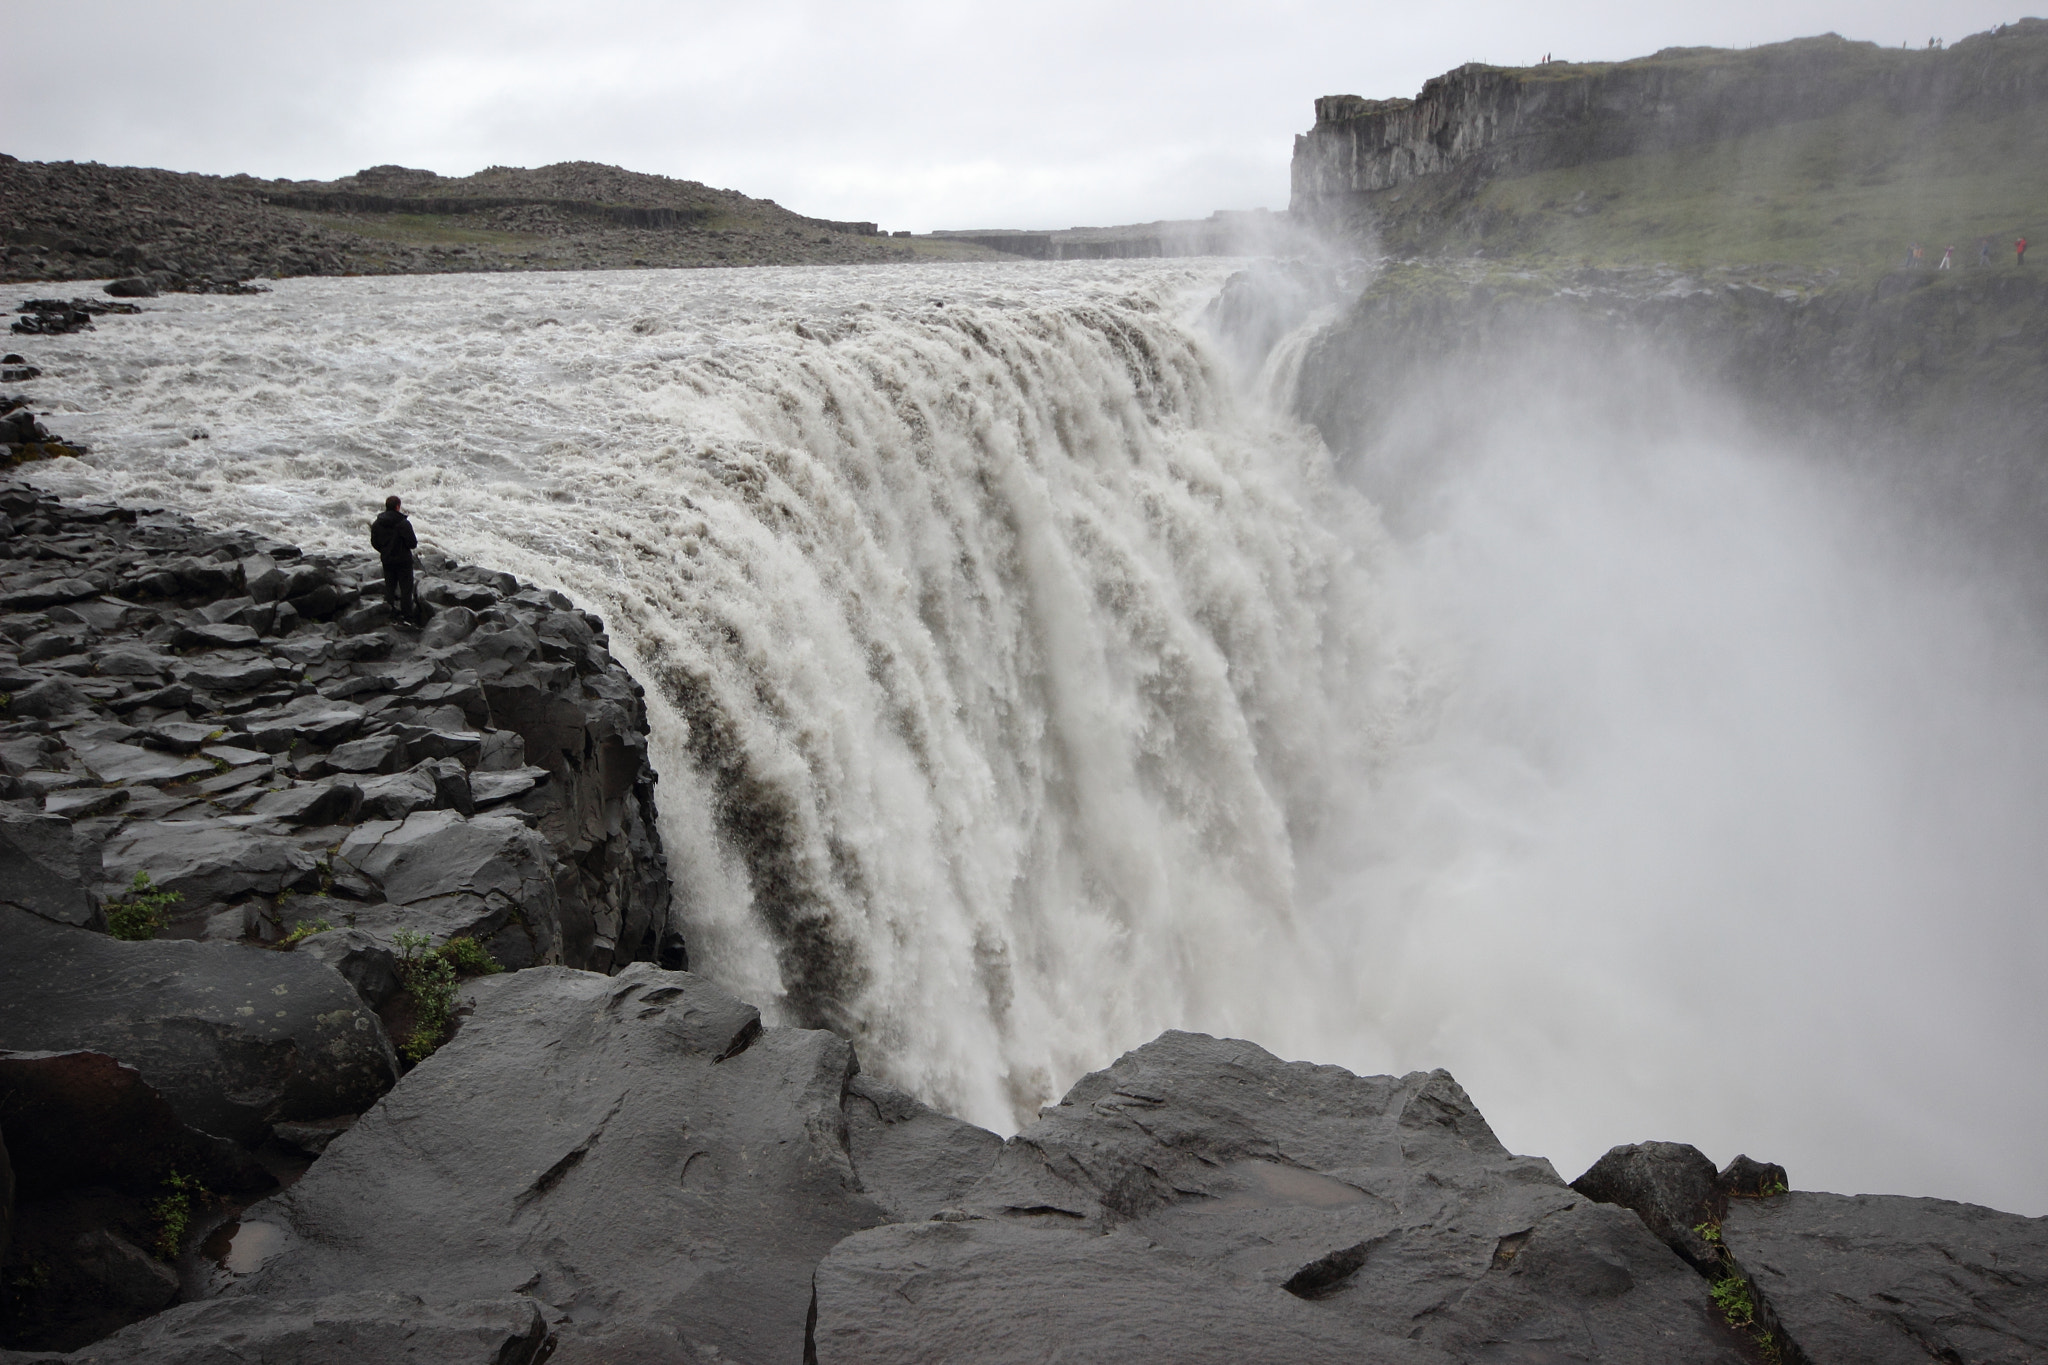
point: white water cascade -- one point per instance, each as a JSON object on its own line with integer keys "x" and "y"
{"x": 1023, "y": 686}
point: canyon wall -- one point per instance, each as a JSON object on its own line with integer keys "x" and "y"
{"x": 1479, "y": 121}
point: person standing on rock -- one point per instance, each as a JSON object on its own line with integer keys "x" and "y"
{"x": 391, "y": 536}
{"x": 2020, "y": 250}
{"x": 1948, "y": 258}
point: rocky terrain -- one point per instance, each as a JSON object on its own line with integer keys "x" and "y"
{"x": 683, "y": 1183}
{"x": 251, "y": 832}
{"x": 72, "y": 221}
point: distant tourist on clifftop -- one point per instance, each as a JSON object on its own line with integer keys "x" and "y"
{"x": 392, "y": 537}
{"x": 2019, "y": 249}
{"x": 1983, "y": 251}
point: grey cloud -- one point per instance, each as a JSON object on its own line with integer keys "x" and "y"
{"x": 917, "y": 114}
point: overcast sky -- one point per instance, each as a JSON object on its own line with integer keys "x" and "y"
{"x": 915, "y": 114}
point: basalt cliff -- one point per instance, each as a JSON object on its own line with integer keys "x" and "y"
{"x": 1363, "y": 157}
{"x": 1823, "y": 235}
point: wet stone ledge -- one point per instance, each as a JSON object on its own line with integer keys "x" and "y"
{"x": 236, "y": 738}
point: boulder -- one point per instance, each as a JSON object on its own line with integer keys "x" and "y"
{"x": 47, "y": 700}
{"x": 110, "y": 761}
{"x": 636, "y": 1151}
{"x": 451, "y": 626}
{"x": 133, "y": 287}
{"x": 371, "y": 754}
{"x": 206, "y": 860}
{"x": 397, "y": 795}
{"x": 491, "y": 873}
{"x": 1887, "y": 1280}
{"x": 366, "y": 960}
{"x": 47, "y": 868}
{"x": 314, "y": 720}
{"x": 83, "y": 803}
{"x": 234, "y": 1038}
{"x": 310, "y": 803}
{"x": 1203, "y": 1193}
{"x": 1671, "y": 1186}
{"x": 79, "y": 1119}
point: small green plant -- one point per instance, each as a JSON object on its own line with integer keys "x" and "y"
{"x": 1731, "y": 1295}
{"x": 173, "y": 1214}
{"x": 1774, "y": 1187}
{"x": 302, "y": 931}
{"x": 1709, "y": 1231}
{"x": 145, "y": 910}
{"x": 468, "y": 957}
{"x": 430, "y": 980}
{"x": 430, "y": 976}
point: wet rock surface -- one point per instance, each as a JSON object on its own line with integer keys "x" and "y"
{"x": 1203, "y": 1192}
{"x": 234, "y": 1037}
{"x": 92, "y": 1145}
{"x": 674, "y": 1174}
{"x": 1886, "y": 1280}
{"x": 635, "y": 1168}
{"x": 213, "y": 745}
{"x": 244, "y": 724}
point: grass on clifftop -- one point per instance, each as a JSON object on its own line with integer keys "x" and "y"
{"x": 1850, "y": 192}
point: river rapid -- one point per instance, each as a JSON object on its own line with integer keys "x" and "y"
{"x": 1026, "y": 681}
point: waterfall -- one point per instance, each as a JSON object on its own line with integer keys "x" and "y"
{"x": 1000, "y": 653}
{"x": 1026, "y": 681}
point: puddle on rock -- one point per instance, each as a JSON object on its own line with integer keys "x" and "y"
{"x": 239, "y": 1247}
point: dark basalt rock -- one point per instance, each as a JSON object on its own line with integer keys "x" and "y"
{"x": 235, "y": 1038}
{"x": 913, "y": 1160}
{"x": 1888, "y": 1280}
{"x": 636, "y": 1151}
{"x": 94, "y": 1147}
{"x": 490, "y": 878}
{"x": 1671, "y": 1186}
{"x": 82, "y": 1118}
{"x": 1204, "y": 1193}
{"x": 350, "y": 1329}
{"x": 48, "y": 869}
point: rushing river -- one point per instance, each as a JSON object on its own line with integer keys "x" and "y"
{"x": 1024, "y": 684}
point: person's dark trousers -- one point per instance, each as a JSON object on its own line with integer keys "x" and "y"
{"x": 398, "y": 590}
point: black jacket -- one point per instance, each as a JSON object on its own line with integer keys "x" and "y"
{"x": 392, "y": 538}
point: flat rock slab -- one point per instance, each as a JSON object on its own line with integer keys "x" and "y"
{"x": 1203, "y": 1200}
{"x": 350, "y": 1329}
{"x": 48, "y": 869}
{"x": 112, "y": 762}
{"x": 489, "y": 788}
{"x": 234, "y": 1037}
{"x": 636, "y": 1151}
{"x": 1888, "y": 1280}
{"x": 491, "y": 870}
{"x": 207, "y": 860}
